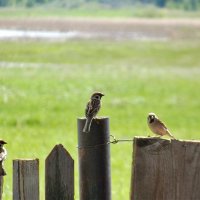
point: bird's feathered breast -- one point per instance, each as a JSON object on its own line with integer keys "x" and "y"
{"x": 92, "y": 107}
{"x": 3, "y": 153}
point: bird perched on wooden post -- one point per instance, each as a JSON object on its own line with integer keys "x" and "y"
{"x": 157, "y": 126}
{"x": 3, "y": 154}
{"x": 92, "y": 109}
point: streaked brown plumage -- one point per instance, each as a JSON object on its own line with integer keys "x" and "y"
{"x": 92, "y": 109}
{"x": 3, "y": 154}
{"x": 157, "y": 126}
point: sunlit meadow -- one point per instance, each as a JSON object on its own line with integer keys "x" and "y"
{"x": 44, "y": 87}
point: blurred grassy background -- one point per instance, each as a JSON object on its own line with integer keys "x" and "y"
{"x": 44, "y": 87}
{"x": 93, "y": 10}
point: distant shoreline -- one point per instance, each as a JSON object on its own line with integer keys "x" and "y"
{"x": 117, "y": 29}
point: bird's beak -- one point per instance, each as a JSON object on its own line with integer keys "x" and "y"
{"x": 101, "y": 94}
{"x": 3, "y": 142}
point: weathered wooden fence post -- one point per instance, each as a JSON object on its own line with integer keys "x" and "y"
{"x": 94, "y": 160}
{"x": 164, "y": 170}
{"x": 26, "y": 179}
{"x": 1, "y": 187}
{"x": 59, "y": 175}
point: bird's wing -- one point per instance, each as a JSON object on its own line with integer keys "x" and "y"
{"x": 3, "y": 154}
{"x": 92, "y": 107}
{"x": 163, "y": 125}
{"x": 87, "y": 109}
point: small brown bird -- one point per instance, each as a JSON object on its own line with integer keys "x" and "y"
{"x": 3, "y": 154}
{"x": 92, "y": 109}
{"x": 157, "y": 126}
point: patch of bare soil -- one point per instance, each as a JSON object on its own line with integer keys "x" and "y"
{"x": 112, "y": 28}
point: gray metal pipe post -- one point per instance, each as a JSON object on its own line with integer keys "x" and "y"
{"x": 94, "y": 160}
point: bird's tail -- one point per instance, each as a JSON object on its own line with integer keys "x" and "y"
{"x": 2, "y": 172}
{"x": 88, "y": 122}
{"x": 170, "y": 135}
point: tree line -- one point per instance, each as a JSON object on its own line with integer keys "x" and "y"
{"x": 181, "y": 4}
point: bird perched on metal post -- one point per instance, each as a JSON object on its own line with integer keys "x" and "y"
{"x": 3, "y": 154}
{"x": 157, "y": 126}
{"x": 92, "y": 109}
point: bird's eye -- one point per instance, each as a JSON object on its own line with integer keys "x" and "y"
{"x": 97, "y": 97}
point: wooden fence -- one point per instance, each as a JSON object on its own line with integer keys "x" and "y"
{"x": 165, "y": 170}
{"x": 59, "y": 177}
{"x": 161, "y": 169}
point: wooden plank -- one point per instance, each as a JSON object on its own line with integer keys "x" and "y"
{"x": 164, "y": 170}
{"x": 1, "y": 187}
{"x": 59, "y": 175}
{"x": 26, "y": 179}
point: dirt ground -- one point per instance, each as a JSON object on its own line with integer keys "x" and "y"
{"x": 161, "y": 28}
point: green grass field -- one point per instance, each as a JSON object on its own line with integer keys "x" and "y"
{"x": 44, "y": 87}
{"x": 96, "y": 11}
